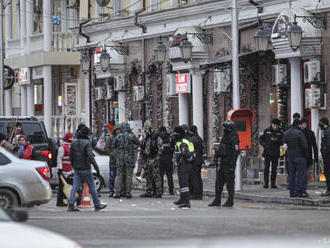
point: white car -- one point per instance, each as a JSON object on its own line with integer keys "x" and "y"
{"x": 23, "y": 182}
{"x": 17, "y": 235}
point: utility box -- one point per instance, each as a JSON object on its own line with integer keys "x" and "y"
{"x": 243, "y": 119}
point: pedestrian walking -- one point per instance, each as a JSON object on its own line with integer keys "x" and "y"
{"x": 111, "y": 150}
{"x": 82, "y": 156}
{"x": 228, "y": 152}
{"x": 296, "y": 150}
{"x": 271, "y": 140}
{"x": 165, "y": 160}
{"x": 184, "y": 157}
{"x": 195, "y": 180}
{"x": 64, "y": 167}
{"x": 325, "y": 151}
{"x": 126, "y": 143}
{"x": 313, "y": 154}
{"x": 151, "y": 147}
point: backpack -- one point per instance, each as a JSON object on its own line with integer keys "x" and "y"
{"x": 167, "y": 150}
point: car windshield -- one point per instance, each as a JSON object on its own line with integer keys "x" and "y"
{"x": 4, "y": 216}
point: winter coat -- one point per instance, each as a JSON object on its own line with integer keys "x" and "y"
{"x": 325, "y": 144}
{"x": 81, "y": 155}
{"x": 312, "y": 146}
{"x": 167, "y": 147}
{"x": 271, "y": 140}
{"x": 296, "y": 141}
{"x": 109, "y": 147}
{"x": 228, "y": 150}
{"x": 28, "y": 151}
{"x": 199, "y": 149}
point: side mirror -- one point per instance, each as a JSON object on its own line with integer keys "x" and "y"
{"x": 19, "y": 214}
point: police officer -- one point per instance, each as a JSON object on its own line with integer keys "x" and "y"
{"x": 184, "y": 157}
{"x": 125, "y": 143}
{"x": 151, "y": 147}
{"x": 271, "y": 140}
{"x": 228, "y": 152}
{"x": 325, "y": 151}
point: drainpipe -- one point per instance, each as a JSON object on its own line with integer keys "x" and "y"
{"x": 136, "y": 23}
{"x": 90, "y": 64}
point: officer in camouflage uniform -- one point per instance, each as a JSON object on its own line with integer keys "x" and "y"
{"x": 112, "y": 152}
{"x": 151, "y": 148}
{"x": 125, "y": 143}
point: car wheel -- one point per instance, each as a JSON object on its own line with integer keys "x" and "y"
{"x": 8, "y": 199}
{"x": 98, "y": 182}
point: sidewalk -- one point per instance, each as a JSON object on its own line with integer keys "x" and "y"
{"x": 253, "y": 191}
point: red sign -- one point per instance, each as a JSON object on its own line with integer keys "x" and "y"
{"x": 183, "y": 83}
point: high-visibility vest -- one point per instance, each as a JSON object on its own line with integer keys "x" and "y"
{"x": 188, "y": 143}
{"x": 27, "y": 152}
{"x": 66, "y": 161}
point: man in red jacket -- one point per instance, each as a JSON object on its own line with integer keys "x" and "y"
{"x": 64, "y": 166}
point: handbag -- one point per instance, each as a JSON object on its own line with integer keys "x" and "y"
{"x": 67, "y": 188}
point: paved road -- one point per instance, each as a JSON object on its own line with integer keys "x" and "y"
{"x": 152, "y": 222}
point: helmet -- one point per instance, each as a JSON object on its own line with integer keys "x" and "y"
{"x": 228, "y": 124}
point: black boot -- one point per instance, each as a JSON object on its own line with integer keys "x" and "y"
{"x": 146, "y": 195}
{"x": 216, "y": 203}
{"x": 229, "y": 203}
{"x": 73, "y": 209}
{"x": 171, "y": 192}
{"x": 180, "y": 201}
{"x": 186, "y": 203}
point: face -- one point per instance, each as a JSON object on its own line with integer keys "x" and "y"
{"x": 274, "y": 126}
{"x": 117, "y": 131}
{"x": 304, "y": 125}
{"x": 21, "y": 141}
{"x": 18, "y": 128}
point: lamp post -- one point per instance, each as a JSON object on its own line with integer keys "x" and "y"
{"x": 105, "y": 60}
{"x": 261, "y": 38}
{"x": 85, "y": 63}
{"x": 186, "y": 50}
{"x": 160, "y": 52}
{"x": 86, "y": 67}
{"x": 294, "y": 35}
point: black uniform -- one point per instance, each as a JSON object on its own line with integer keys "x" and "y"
{"x": 325, "y": 151}
{"x": 165, "y": 160}
{"x": 271, "y": 140}
{"x": 195, "y": 180}
{"x": 228, "y": 152}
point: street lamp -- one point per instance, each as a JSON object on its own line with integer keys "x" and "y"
{"x": 185, "y": 50}
{"x": 85, "y": 63}
{"x": 160, "y": 52}
{"x": 105, "y": 60}
{"x": 294, "y": 35}
{"x": 261, "y": 38}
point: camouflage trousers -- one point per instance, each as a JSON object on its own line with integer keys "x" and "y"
{"x": 152, "y": 174}
{"x": 124, "y": 171}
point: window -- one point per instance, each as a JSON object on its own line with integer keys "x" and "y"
{"x": 3, "y": 159}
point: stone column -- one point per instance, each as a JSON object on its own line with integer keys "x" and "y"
{"x": 29, "y": 24}
{"x": 22, "y": 44}
{"x": 121, "y": 106}
{"x": 296, "y": 87}
{"x": 47, "y": 31}
{"x": 87, "y": 106}
{"x": 30, "y": 100}
{"x": 23, "y": 100}
{"x": 315, "y": 117}
{"x": 183, "y": 109}
{"x": 197, "y": 101}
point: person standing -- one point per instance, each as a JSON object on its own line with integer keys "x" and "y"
{"x": 228, "y": 152}
{"x": 165, "y": 160}
{"x": 125, "y": 143}
{"x": 296, "y": 150}
{"x": 64, "y": 166}
{"x": 184, "y": 157}
{"x": 312, "y": 149}
{"x": 6, "y": 144}
{"x": 24, "y": 149}
{"x": 151, "y": 147}
{"x": 325, "y": 151}
{"x": 195, "y": 180}
{"x": 271, "y": 140}
{"x": 82, "y": 156}
{"x": 112, "y": 152}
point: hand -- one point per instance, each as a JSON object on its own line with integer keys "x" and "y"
{"x": 59, "y": 172}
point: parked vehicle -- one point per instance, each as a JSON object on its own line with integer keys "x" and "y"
{"x": 35, "y": 131}
{"x": 17, "y": 235}
{"x": 23, "y": 182}
{"x": 100, "y": 182}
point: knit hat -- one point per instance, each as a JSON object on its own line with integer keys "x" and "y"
{"x": 24, "y": 137}
{"x": 179, "y": 130}
{"x": 193, "y": 129}
{"x": 296, "y": 116}
{"x": 324, "y": 120}
{"x": 276, "y": 121}
{"x": 68, "y": 137}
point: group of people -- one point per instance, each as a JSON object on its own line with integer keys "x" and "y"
{"x": 17, "y": 142}
{"x": 301, "y": 152}
{"x": 157, "y": 150}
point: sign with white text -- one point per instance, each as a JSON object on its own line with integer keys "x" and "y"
{"x": 183, "y": 83}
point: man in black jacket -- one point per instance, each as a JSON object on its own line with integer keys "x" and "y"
{"x": 82, "y": 156}
{"x": 195, "y": 180}
{"x": 325, "y": 151}
{"x": 296, "y": 145}
{"x": 312, "y": 149}
{"x": 228, "y": 152}
{"x": 271, "y": 140}
{"x": 165, "y": 159}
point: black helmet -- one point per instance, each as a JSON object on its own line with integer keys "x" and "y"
{"x": 228, "y": 124}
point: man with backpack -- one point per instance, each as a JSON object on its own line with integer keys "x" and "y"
{"x": 150, "y": 149}
{"x": 165, "y": 160}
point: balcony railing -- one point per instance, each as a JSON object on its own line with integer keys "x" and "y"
{"x": 63, "y": 41}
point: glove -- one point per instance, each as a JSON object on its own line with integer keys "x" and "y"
{"x": 59, "y": 172}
